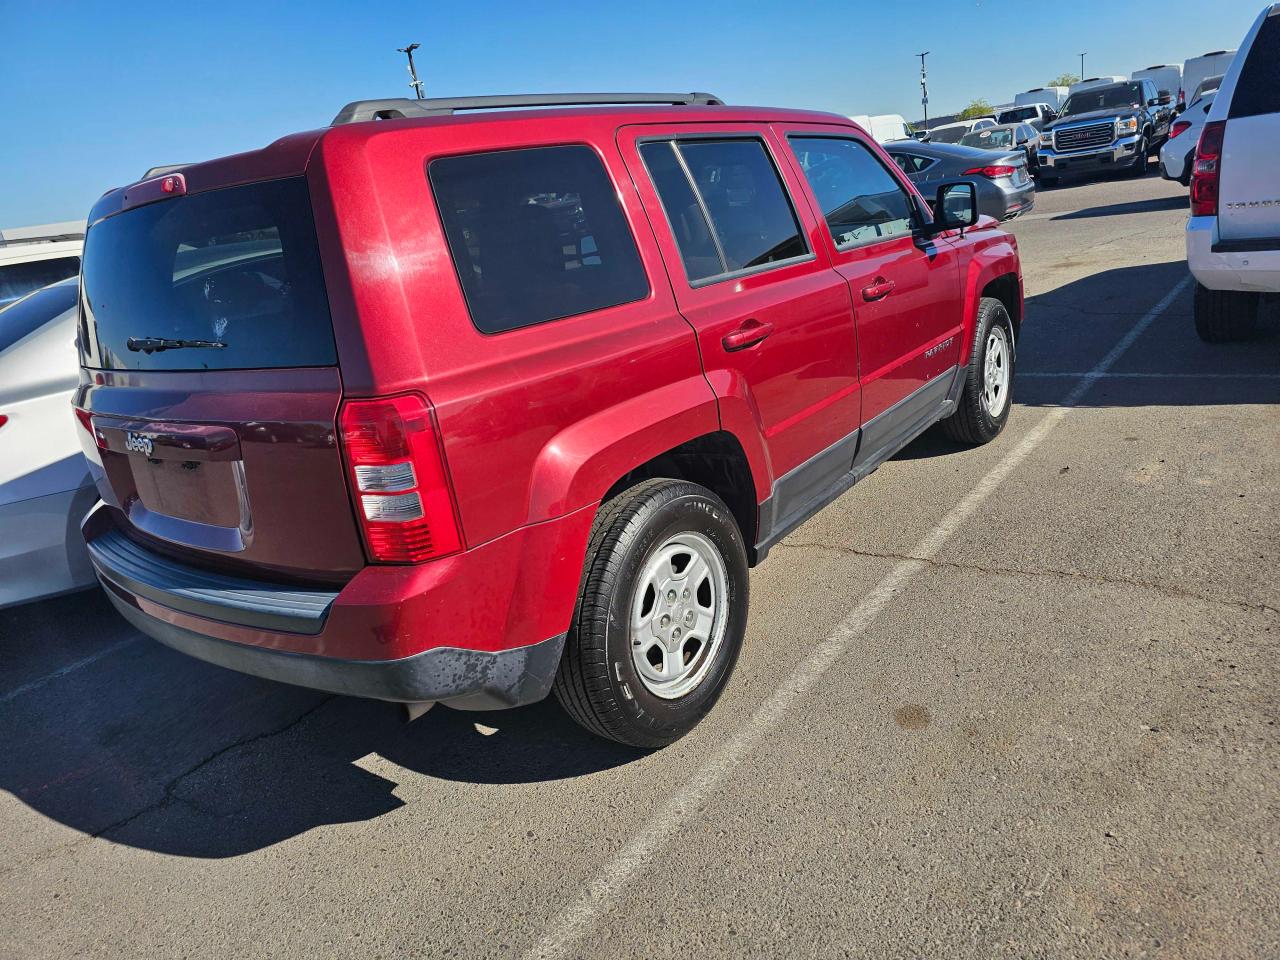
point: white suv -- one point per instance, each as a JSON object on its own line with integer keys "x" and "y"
{"x": 1233, "y": 236}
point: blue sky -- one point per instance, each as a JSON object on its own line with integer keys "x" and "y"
{"x": 95, "y": 93}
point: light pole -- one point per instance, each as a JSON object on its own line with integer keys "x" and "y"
{"x": 924, "y": 89}
{"x": 1082, "y": 65}
{"x": 413, "y": 72}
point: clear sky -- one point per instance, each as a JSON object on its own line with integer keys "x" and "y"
{"x": 95, "y": 93}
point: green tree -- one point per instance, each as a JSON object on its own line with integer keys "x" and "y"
{"x": 1063, "y": 80}
{"x": 976, "y": 108}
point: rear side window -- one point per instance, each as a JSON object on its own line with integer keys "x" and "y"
{"x": 1258, "y": 87}
{"x": 536, "y": 235}
{"x": 861, "y": 201}
{"x": 731, "y": 186}
{"x": 19, "y": 279}
{"x": 34, "y": 311}
{"x": 237, "y": 267}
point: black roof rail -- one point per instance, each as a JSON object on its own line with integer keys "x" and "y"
{"x": 400, "y": 108}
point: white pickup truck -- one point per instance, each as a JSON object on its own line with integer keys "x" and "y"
{"x": 1233, "y": 235}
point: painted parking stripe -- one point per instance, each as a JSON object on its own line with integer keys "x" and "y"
{"x": 1152, "y": 376}
{"x": 581, "y": 913}
{"x": 69, "y": 668}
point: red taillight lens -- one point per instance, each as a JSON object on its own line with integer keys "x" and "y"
{"x": 999, "y": 170}
{"x": 1179, "y": 128}
{"x": 1207, "y": 170}
{"x": 3, "y": 419}
{"x": 396, "y": 469}
{"x": 86, "y": 421}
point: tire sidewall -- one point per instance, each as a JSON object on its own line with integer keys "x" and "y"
{"x": 689, "y": 512}
{"x": 991, "y": 313}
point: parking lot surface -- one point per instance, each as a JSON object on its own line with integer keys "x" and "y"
{"x": 1012, "y": 701}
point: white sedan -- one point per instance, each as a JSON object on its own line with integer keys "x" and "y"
{"x": 45, "y": 489}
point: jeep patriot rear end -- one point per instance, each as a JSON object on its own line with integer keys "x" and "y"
{"x": 465, "y": 406}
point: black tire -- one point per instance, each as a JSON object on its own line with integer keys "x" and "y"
{"x": 1140, "y": 166}
{"x": 972, "y": 421}
{"x": 598, "y": 683}
{"x": 1225, "y": 315}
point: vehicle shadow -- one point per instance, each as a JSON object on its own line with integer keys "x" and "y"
{"x": 1151, "y": 205}
{"x": 152, "y": 749}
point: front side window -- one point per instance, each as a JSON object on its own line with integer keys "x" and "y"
{"x": 860, "y": 200}
{"x": 536, "y": 235}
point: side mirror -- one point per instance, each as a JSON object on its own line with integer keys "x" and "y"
{"x": 1165, "y": 98}
{"x": 956, "y": 206}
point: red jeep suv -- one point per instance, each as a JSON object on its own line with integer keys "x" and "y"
{"x": 461, "y": 404}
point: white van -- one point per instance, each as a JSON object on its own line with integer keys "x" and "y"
{"x": 1233, "y": 235}
{"x": 1166, "y": 76}
{"x": 1213, "y": 64}
{"x": 1094, "y": 82}
{"x": 884, "y": 127}
{"x": 1053, "y": 96}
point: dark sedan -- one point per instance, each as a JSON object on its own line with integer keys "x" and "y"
{"x": 1001, "y": 177}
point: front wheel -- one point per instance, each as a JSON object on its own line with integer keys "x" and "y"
{"x": 660, "y": 617}
{"x": 983, "y": 408}
{"x": 1140, "y": 166}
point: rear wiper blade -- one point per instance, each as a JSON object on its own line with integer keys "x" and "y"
{"x": 156, "y": 344}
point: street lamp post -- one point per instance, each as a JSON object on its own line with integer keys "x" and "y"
{"x": 1082, "y": 65}
{"x": 413, "y": 72}
{"x": 924, "y": 88}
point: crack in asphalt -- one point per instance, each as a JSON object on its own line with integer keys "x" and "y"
{"x": 1043, "y": 572}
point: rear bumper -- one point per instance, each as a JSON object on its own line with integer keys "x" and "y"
{"x": 479, "y": 630}
{"x": 1119, "y": 155}
{"x": 1227, "y": 266}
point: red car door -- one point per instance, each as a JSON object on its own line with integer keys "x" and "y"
{"x": 752, "y": 276}
{"x": 905, "y": 292}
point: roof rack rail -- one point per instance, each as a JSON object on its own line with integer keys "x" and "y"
{"x": 400, "y": 108}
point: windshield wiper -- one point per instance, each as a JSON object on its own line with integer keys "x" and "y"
{"x": 156, "y": 344}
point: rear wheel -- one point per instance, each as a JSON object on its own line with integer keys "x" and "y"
{"x": 661, "y": 614}
{"x": 983, "y": 408}
{"x": 1225, "y": 315}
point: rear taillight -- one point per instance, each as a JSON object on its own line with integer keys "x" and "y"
{"x": 999, "y": 170}
{"x": 3, "y": 419}
{"x": 396, "y": 469}
{"x": 1207, "y": 170}
{"x": 1179, "y": 128}
{"x": 86, "y": 421}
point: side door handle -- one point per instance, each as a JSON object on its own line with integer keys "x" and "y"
{"x": 879, "y": 289}
{"x": 747, "y": 335}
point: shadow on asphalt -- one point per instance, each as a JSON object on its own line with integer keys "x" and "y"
{"x": 155, "y": 750}
{"x": 1152, "y": 205}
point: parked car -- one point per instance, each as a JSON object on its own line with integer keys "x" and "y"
{"x": 34, "y": 257}
{"x": 45, "y": 487}
{"x": 1166, "y": 76}
{"x": 884, "y": 127}
{"x": 1053, "y": 96}
{"x": 1207, "y": 85}
{"x": 1008, "y": 136}
{"x": 1233, "y": 234}
{"x": 1001, "y": 177}
{"x": 1111, "y": 127}
{"x": 1179, "y": 150}
{"x": 1196, "y": 69}
{"x": 1035, "y": 114}
{"x": 952, "y": 132}
{"x": 1090, "y": 83}
{"x": 511, "y": 403}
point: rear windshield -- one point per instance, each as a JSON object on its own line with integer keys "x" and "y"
{"x": 34, "y": 311}
{"x": 223, "y": 280}
{"x": 19, "y": 279}
{"x": 1018, "y": 115}
{"x": 948, "y": 135}
{"x": 988, "y": 139}
{"x": 1258, "y": 86}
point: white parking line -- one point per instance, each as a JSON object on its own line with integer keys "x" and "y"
{"x": 63, "y": 671}
{"x": 1153, "y": 376}
{"x": 578, "y": 917}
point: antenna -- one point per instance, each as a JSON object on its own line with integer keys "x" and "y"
{"x": 413, "y": 71}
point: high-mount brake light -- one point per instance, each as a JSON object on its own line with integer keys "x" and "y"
{"x": 992, "y": 172}
{"x": 1206, "y": 171}
{"x": 404, "y": 501}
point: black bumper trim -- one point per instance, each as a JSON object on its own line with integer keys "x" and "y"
{"x": 465, "y": 679}
{"x": 215, "y": 596}
{"x": 1246, "y": 245}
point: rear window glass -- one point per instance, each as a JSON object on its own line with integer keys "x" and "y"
{"x": 1258, "y": 88}
{"x": 237, "y": 267}
{"x": 684, "y": 213}
{"x": 536, "y": 235}
{"x": 34, "y": 311}
{"x": 948, "y": 135}
{"x": 19, "y": 279}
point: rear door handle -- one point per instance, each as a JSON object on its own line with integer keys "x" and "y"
{"x": 747, "y": 335}
{"x": 879, "y": 289}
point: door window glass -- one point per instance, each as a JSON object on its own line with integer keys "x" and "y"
{"x": 860, "y": 200}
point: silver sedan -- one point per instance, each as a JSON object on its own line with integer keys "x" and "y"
{"x": 1001, "y": 178}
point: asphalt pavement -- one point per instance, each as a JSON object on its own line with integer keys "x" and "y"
{"x": 1018, "y": 701}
